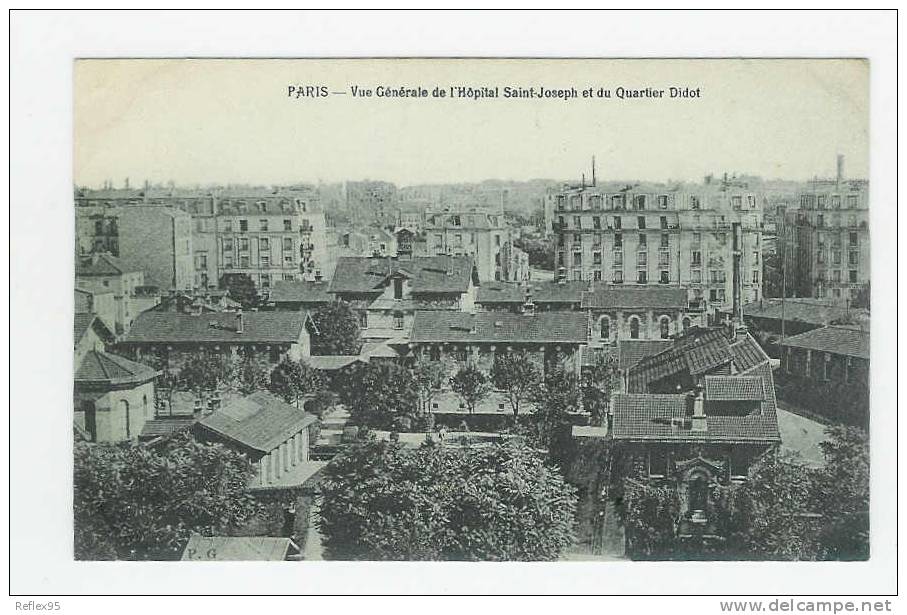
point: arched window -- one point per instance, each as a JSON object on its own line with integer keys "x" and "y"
{"x": 634, "y": 328}
{"x": 686, "y": 325}
{"x": 605, "y": 328}
{"x": 664, "y": 327}
{"x": 124, "y": 408}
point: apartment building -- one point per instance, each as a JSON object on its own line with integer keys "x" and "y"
{"x": 673, "y": 235}
{"x": 481, "y": 234}
{"x": 824, "y": 243}
{"x": 158, "y": 241}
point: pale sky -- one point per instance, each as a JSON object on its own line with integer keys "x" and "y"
{"x": 231, "y": 121}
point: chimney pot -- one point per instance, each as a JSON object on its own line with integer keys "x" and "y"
{"x": 239, "y": 321}
{"x": 699, "y": 422}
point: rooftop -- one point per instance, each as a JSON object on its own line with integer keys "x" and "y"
{"x": 427, "y": 274}
{"x": 102, "y": 264}
{"x": 543, "y": 327}
{"x": 598, "y": 296}
{"x": 631, "y": 352}
{"x": 101, "y": 367}
{"x": 836, "y": 340}
{"x": 300, "y": 291}
{"x": 259, "y": 421}
{"x": 813, "y": 311}
{"x": 214, "y": 327}
{"x": 82, "y": 321}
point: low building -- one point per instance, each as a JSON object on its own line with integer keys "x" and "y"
{"x": 112, "y": 396}
{"x": 239, "y": 549}
{"x": 826, "y": 371}
{"x": 105, "y": 273}
{"x": 274, "y": 435}
{"x": 386, "y": 293}
{"x": 546, "y": 336}
{"x": 171, "y": 337}
{"x": 300, "y": 295}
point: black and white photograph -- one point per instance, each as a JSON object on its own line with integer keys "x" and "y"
{"x": 412, "y": 322}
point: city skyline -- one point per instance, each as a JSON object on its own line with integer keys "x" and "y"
{"x": 219, "y": 122}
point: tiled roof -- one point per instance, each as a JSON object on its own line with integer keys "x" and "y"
{"x": 427, "y": 274}
{"x": 258, "y": 327}
{"x": 259, "y": 421}
{"x": 558, "y": 292}
{"x": 734, "y": 388}
{"x": 82, "y": 321}
{"x": 236, "y": 548}
{"x": 331, "y": 363}
{"x": 300, "y": 291}
{"x": 500, "y": 292}
{"x": 813, "y": 311}
{"x": 836, "y": 340}
{"x": 99, "y": 265}
{"x": 747, "y": 353}
{"x": 97, "y": 367}
{"x": 553, "y": 327}
{"x": 165, "y": 426}
{"x": 612, "y": 297}
{"x": 666, "y": 418}
{"x": 631, "y": 352}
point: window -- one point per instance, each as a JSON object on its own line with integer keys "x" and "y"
{"x": 664, "y": 327}
{"x": 694, "y": 202}
{"x": 577, "y": 259}
{"x": 244, "y": 261}
{"x": 686, "y": 324}
{"x": 617, "y": 201}
{"x": 820, "y": 220}
{"x": 852, "y": 239}
{"x": 597, "y": 275}
{"x": 288, "y": 225}
{"x": 577, "y": 222}
{"x": 288, "y": 244}
{"x": 577, "y": 238}
{"x": 641, "y": 222}
{"x": 596, "y": 222}
{"x": 434, "y": 354}
{"x": 852, "y": 276}
{"x": 755, "y": 277}
{"x": 265, "y": 260}
{"x": 263, "y": 225}
{"x": 618, "y": 241}
{"x": 662, "y": 201}
{"x": 851, "y": 201}
{"x": 696, "y": 258}
{"x": 697, "y": 238}
{"x": 243, "y": 244}
{"x": 618, "y": 277}
{"x": 228, "y": 245}
{"x": 665, "y": 277}
{"x": 820, "y": 201}
{"x": 663, "y": 222}
{"x": 634, "y": 328}
{"x": 665, "y": 239}
{"x": 264, "y": 244}
{"x": 617, "y": 223}
{"x": 243, "y": 226}
{"x": 398, "y": 320}
{"x": 596, "y": 201}
{"x": 228, "y": 261}
{"x": 736, "y": 202}
{"x": 605, "y": 325}
{"x": 596, "y": 258}
{"x": 713, "y": 295}
{"x": 642, "y": 277}
{"x": 696, "y": 276}
{"x": 639, "y": 201}
{"x": 642, "y": 259}
{"x": 560, "y": 202}
{"x": 265, "y": 280}
{"x": 836, "y": 201}
{"x": 363, "y": 320}
{"x": 853, "y": 257}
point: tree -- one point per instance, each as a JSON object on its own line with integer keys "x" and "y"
{"x": 841, "y": 494}
{"x": 204, "y": 374}
{"x": 429, "y": 377}
{"x": 384, "y": 502}
{"x": 380, "y": 395}
{"x": 598, "y": 382}
{"x": 556, "y": 396}
{"x": 471, "y": 384}
{"x": 251, "y": 376}
{"x": 336, "y": 330}
{"x": 141, "y": 503}
{"x": 515, "y": 374}
{"x": 241, "y": 288}
{"x": 292, "y": 380}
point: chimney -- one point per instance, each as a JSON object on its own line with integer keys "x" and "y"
{"x": 239, "y": 321}
{"x": 699, "y": 419}
{"x": 738, "y": 276}
{"x": 840, "y": 174}
{"x": 593, "y": 170}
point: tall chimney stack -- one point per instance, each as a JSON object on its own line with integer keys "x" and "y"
{"x": 738, "y": 275}
{"x": 593, "y": 170}
{"x": 699, "y": 422}
{"x": 840, "y": 175}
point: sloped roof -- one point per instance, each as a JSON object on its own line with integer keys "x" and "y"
{"x": 259, "y": 421}
{"x": 553, "y": 327}
{"x": 334, "y": 362}
{"x": 734, "y": 388}
{"x": 631, "y": 352}
{"x": 300, "y": 291}
{"x": 99, "y": 265}
{"x": 500, "y": 292}
{"x": 237, "y": 548}
{"x": 428, "y": 274}
{"x": 694, "y": 353}
{"x": 647, "y": 417}
{"x": 747, "y": 353}
{"x": 612, "y": 297}
{"x": 165, "y": 426}
{"x": 102, "y": 367}
{"x": 258, "y": 327}
{"x": 82, "y": 321}
{"x": 836, "y": 340}
{"x": 813, "y": 311}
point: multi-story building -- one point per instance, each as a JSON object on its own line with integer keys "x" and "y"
{"x": 158, "y": 241}
{"x": 293, "y": 244}
{"x": 657, "y": 234}
{"x": 481, "y": 234}
{"x": 103, "y": 273}
{"x": 824, "y": 243}
{"x": 371, "y": 202}
{"x": 387, "y": 292}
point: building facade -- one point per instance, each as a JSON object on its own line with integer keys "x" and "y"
{"x": 158, "y": 242}
{"x": 661, "y": 235}
{"x": 824, "y": 243}
{"x": 101, "y": 273}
